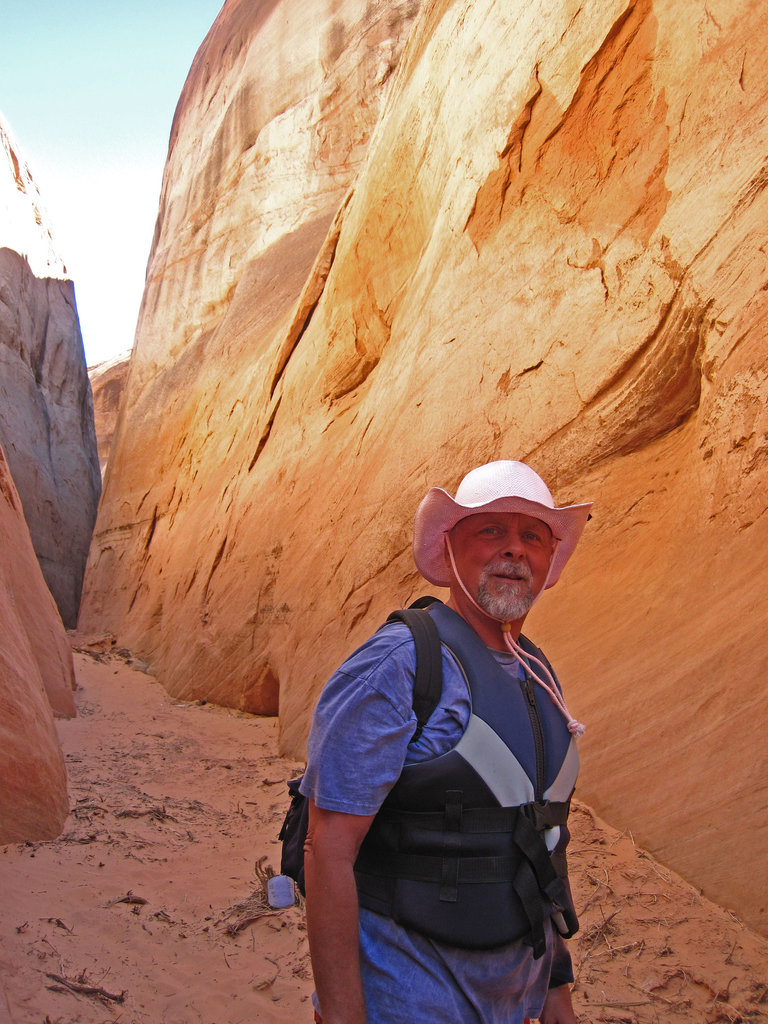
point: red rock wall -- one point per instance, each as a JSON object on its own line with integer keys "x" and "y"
{"x": 553, "y": 251}
{"x": 36, "y": 679}
{"x": 271, "y": 128}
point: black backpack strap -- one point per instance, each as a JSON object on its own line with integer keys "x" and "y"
{"x": 429, "y": 659}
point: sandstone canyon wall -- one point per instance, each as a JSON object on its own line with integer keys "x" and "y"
{"x": 46, "y": 415}
{"x": 554, "y": 249}
{"x": 36, "y": 679}
{"x": 271, "y": 127}
{"x": 107, "y": 386}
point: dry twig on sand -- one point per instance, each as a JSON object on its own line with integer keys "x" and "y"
{"x": 255, "y": 906}
{"x": 158, "y": 813}
{"x": 80, "y": 987}
{"x": 129, "y": 898}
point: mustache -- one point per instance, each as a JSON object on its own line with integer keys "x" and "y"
{"x": 512, "y": 571}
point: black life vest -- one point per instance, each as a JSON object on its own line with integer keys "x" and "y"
{"x": 469, "y": 847}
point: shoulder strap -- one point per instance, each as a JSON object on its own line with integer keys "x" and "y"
{"x": 429, "y": 659}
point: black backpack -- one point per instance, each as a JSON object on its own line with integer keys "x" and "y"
{"x": 426, "y": 695}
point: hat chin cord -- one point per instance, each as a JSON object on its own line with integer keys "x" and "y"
{"x": 548, "y": 683}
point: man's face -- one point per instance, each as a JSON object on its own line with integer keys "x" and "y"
{"x": 503, "y": 559}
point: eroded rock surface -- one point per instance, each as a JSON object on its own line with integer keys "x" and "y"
{"x": 107, "y": 386}
{"x": 285, "y": 96}
{"x": 36, "y": 679}
{"x": 554, "y": 250}
{"x": 46, "y": 415}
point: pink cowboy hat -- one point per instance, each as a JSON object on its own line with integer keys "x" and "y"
{"x": 502, "y": 486}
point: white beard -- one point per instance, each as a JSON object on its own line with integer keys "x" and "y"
{"x": 514, "y": 601}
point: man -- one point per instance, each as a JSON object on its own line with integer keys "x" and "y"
{"x": 435, "y": 870}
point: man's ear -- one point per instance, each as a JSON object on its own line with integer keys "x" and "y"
{"x": 555, "y": 545}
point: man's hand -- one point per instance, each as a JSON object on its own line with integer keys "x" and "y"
{"x": 558, "y": 1008}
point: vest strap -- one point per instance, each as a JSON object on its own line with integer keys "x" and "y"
{"x": 536, "y": 874}
{"x": 483, "y": 819}
{"x": 449, "y": 872}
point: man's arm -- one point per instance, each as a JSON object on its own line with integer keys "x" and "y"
{"x": 558, "y": 1008}
{"x": 331, "y": 849}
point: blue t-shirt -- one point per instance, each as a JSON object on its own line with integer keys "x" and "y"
{"x": 359, "y": 742}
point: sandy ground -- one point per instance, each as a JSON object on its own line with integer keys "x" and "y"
{"x": 151, "y": 906}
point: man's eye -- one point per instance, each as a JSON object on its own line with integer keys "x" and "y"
{"x": 533, "y": 538}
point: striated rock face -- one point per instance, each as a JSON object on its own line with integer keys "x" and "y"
{"x": 107, "y": 386}
{"x": 553, "y": 251}
{"x": 37, "y": 677}
{"x": 46, "y": 415}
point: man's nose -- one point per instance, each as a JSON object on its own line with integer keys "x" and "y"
{"x": 513, "y": 546}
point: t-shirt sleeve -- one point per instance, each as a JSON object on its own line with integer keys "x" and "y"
{"x": 362, "y": 725}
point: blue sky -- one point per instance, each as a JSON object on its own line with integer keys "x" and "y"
{"x": 89, "y": 90}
